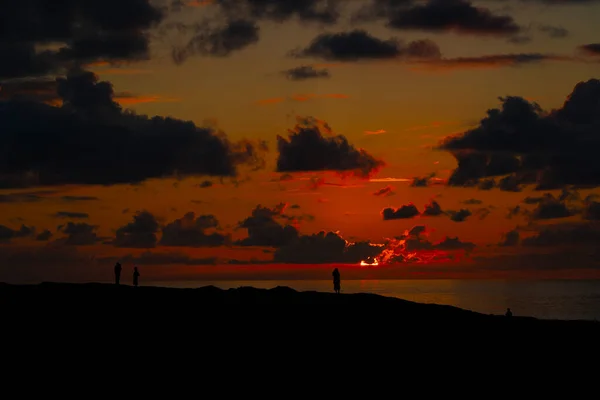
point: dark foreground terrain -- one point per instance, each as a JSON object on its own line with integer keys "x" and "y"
{"x": 247, "y": 329}
{"x": 95, "y": 300}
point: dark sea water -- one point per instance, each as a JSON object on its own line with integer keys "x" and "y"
{"x": 548, "y": 299}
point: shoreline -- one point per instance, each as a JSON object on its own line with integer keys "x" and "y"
{"x": 99, "y": 297}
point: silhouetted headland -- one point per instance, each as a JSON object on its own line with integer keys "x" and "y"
{"x": 85, "y": 300}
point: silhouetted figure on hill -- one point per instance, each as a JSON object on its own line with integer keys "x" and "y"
{"x": 136, "y": 276}
{"x": 118, "y": 269}
{"x": 508, "y": 313}
{"x": 336, "y": 280}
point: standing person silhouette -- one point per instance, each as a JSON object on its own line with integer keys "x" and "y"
{"x": 118, "y": 273}
{"x": 336, "y": 280}
{"x": 136, "y": 275}
{"x": 508, "y": 313}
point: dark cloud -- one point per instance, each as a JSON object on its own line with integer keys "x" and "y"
{"x": 42, "y": 90}
{"x": 592, "y": 48}
{"x": 80, "y": 32}
{"x": 192, "y": 231}
{"x": 519, "y": 39}
{"x": 414, "y": 247}
{"x": 515, "y": 211}
{"x": 79, "y": 198}
{"x": 489, "y": 61}
{"x": 404, "y": 212}
{"x": 591, "y": 211}
{"x": 79, "y": 234}
{"x": 547, "y": 148}
{"x": 25, "y": 197}
{"x": 484, "y": 184}
{"x": 459, "y": 16}
{"x": 234, "y": 24}
{"x": 510, "y": 238}
{"x": 221, "y": 42}
{"x": 308, "y": 149}
{"x": 89, "y": 140}
{"x": 305, "y": 72}
{"x": 264, "y": 229}
{"x": 43, "y": 236}
{"x": 550, "y": 207}
{"x": 555, "y": 32}
{"x": 71, "y": 214}
{"x": 386, "y": 191}
{"x": 7, "y": 234}
{"x": 460, "y": 215}
{"x": 472, "y": 202}
{"x": 358, "y": 45}
{"x": 558, "y": 235}
{"x": 432, "y": 209}
{"x": 454, "y": 244}
{"x": 325, "y": 247}
{"x": 510, "y": 183}
{"x": 140, "y": 233}
{"x": 318, "y": 11}
{"x": 482, "y": 213}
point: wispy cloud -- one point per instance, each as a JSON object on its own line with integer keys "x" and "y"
{"x": 302, "y": 97}
{"x": 377, "y": 132}
{"x": 485, "y": 61}
{"x": 128, "y": 99}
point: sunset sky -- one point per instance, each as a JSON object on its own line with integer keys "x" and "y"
{"x": 279, "y": 119}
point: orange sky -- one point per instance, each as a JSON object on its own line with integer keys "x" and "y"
{"x": 398, "y": 111}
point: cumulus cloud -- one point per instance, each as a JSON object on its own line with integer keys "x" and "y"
{"x": 115, "y": 30}
{"x": 79, "y": 234}
{"x": 311, "y": 147}
{"x": 112, "y": 146}
{"x": 7, "y": 234}
{"x": 432, "y": 209}
{"x": 360, "y": 45}
{"x": 510, "y": 238}
{"x": 305, "y": 72}
{"x": 264, "y": 228}
{"x": 460, "y": 215}
{"x": 550, "y": 207}
{"x": 140, "y": 233}
{"x": 405, "y": 212}
{"x": 44, "y": 235}
{"x": 192, "y": 231}
{"x": 548, "y": 148}
{"x": 324, "y": 247}
{"x": 413, "y": 246}
{"x": 559, "y": 235}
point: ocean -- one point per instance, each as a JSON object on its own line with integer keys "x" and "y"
{"x": 546, "y": 299}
